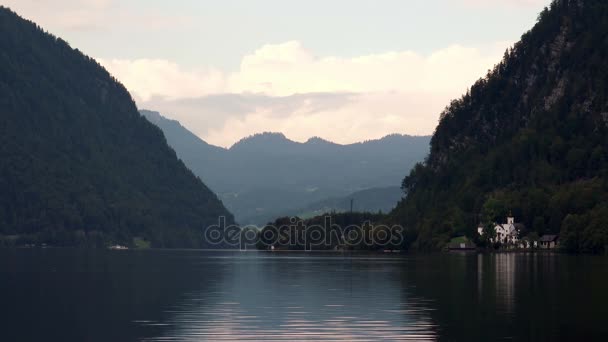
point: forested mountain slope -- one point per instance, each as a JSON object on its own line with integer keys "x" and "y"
{"x": 80, "y": 165}
{"x": 530, "y": 138}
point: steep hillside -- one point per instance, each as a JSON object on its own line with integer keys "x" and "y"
{"x": 182, "y": 139}
{"x": 80, "y": 165}
{"x": 530, "y": 138}
{"x": 266, "y": 175}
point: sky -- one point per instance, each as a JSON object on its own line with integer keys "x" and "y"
{"x": 342, "y": 70}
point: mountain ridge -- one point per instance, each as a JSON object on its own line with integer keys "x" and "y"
{"x": 267, "y": 175}
{"x": 156, "y": 117}
{"x": 314, "y": 140}
{"x": 80, "y": 165}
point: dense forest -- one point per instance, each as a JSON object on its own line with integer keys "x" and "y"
{"x": 266, "y": 175}
{"x": 530, "y": 137}
{"x": 330, "y": 231}
{"x": 80, "y": 165}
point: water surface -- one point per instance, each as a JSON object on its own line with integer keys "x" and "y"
{"x": 96, "y": 295}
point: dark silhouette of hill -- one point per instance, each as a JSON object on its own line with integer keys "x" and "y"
{"x": 530, "y": 138}
{"x": 80, "y": 165}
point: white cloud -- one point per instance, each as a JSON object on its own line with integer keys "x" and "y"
{"x": 224, "y": 119}
{"x": 285, "y": 87}
{"x": 356, "y": 118}
{"x": 288, "y": 68}
{"x": 147, "y": 78}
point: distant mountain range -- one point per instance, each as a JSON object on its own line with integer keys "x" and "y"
{"x": 267, "y": 175}
{"x": 79, "y": 165}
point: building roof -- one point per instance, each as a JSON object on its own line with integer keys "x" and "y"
{"x": 548, "y": 238}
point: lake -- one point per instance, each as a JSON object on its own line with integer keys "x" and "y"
{"x": 164, "y": 295}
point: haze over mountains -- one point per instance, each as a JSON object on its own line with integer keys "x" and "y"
{"x": 372, "y": 200}
{"x": 267, "y": 175}
{"x": 80, "y": 165}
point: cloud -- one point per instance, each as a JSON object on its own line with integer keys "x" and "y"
{"x": 148, "y": 78}
{"x": 350, "y": 119}
{"x": 213, "y": 115}
{"x": 285, "y": 87}
{"x": 339, "y": 117}
{"x": 288, "y": 68}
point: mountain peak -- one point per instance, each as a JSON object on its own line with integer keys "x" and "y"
{"x": 262, "y": 139}
{"x": 152, "y": 116}
{"x": 318, "y": 141}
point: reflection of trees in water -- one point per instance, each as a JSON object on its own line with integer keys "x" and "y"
{"x": 471, "y": 294}
{"x": 443, "y": 282}
{"x": 128, "y": 295}
{"x": 534, "y": 296}
{"x": 92, "y": 295}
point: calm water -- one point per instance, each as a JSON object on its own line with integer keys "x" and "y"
{"x": 75, "y": 295}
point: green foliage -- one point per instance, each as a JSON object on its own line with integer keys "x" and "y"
{"x": 494, "y": 209}
{"x": 80, "y": 165}
{"x": 489, "y": 233}
{"x": 290, "y": 233}
{"x": 529, "y": 138}
{"x": 586, "y": 232}
{"x": 140, "y": 243}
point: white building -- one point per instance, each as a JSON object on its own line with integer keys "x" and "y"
{"x": 505, "y": 233}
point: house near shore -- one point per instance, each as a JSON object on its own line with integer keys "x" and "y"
{"x": 461, "y": 243}
{"x": 506, "y": 233}
{"x": 549, "y": 242}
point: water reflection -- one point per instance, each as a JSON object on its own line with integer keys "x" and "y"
{"x": 72, "y": 295}
{"x": 301, "y": 297}
{"x": 504, "y": 273}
